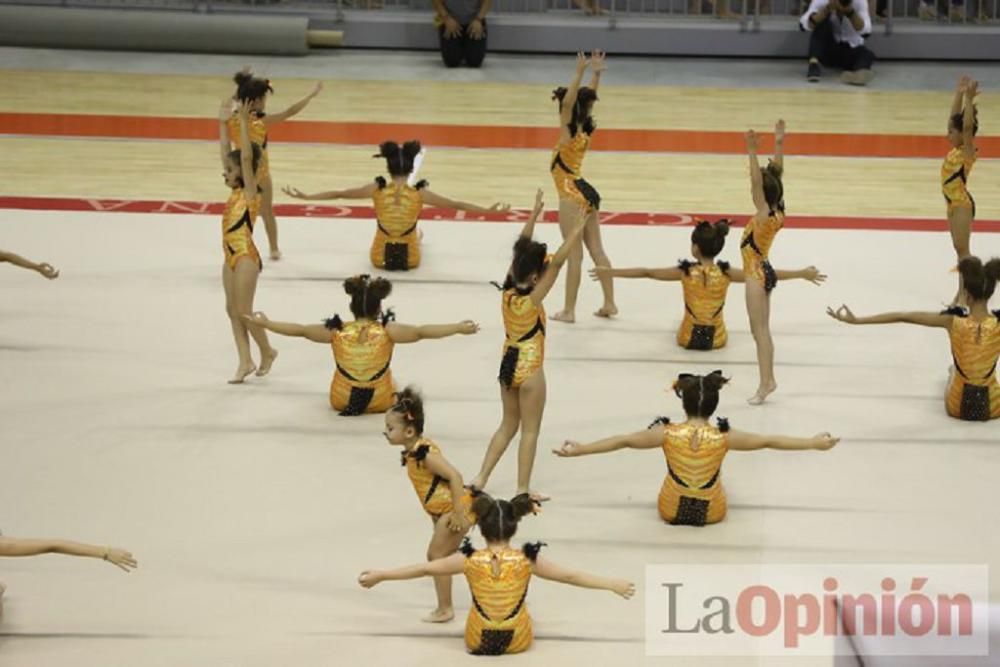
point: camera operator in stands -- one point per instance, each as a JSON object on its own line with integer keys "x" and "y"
{"x": 839, "y": 28}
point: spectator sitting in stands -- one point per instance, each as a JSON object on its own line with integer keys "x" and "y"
{"x": 462, "y": 29}
{"x": 839, "y": 28}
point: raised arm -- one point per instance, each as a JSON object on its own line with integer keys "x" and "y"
{"x": 317, "y": 333}
{"x": 756, "y": 179}
{"x": 597, "y": 65}
{"x": 940, "y": 320}
{"x": 529, "y": 226}
{"x": 810, "y": 273}
{"x": 649, "y": 438}
{"x": 43, "y": 268}
{"x": 566, "y": 115}
{"x": 443, "y": 202}
{"x": 451, "y": 565}
{"x": 295, "y": 109}
{"x": 246, "y": 155}
{"x": 969, "y": 119}
{"x": 670, "y": 273}
{"x": 441, "y": 468}
{"x": 12, "y": 546}
{"x": 546, "y": 569}
{"x": 779, "y": 144}
{"x": 744, "y": 442}
{"x": 363, "y": 192}
{"x": 551, "y": 272}
{"x": 956, "y": 102}
{"x": 407, "y": 333}
{"x": 225, "y": 111}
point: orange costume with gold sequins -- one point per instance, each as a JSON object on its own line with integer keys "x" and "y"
{"x": 237, "y": 228}
{"x": 498, "y": 621}
{"x": 973, "y": 393}
{"x": 567, "y": 161}
{"x": 692, "y": 493}
{"x": 954, "y": 179}
{"x": 524, "y": 346}
{"x": 705, "y": 288}
{"x": 756, "y": 244}
{"x": 433, "y": 491}
{"x": 396, "y": 246}
{"x": 258, "y": 135}
{"x": 362, "y": 383}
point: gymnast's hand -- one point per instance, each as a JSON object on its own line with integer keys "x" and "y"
{"x": 468, "y": 327}
{"x": 48, "y": 270}
{"x": 597, "y": 63}
{"x": 225, "y": 109}
{"x": 626, "y": 589}
{"x": 294, "y": 192}
{"x": 121, "y": 558}
{"x": 244, "y": 109}
{"x": 812, "y": 274}
{"x": 599, "y": 272}
{"x": 500, "y": 208}
{"x": 456, "y": 523}
{"x": 257, "y": 319}
{"x": 569, "y": 448}
{"x": 581, "y": 62}
{"x": 370, "y": 578}
{"x": 843, "y": 314}
{"x": 751, "y": 138}
{"x": 539, "y": 202}
{"x": 779, "y": 131}
{"x": 825, "y": 441}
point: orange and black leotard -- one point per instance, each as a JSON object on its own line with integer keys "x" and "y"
{"x": 705, "y": 288}
{"x": 237, "y": 229}
{"x": 973, "y": 393}
{"x": 567, "y": 160}
{"x": 433, "y": 491}
{"x": 524, "y": 345}
{"x": 396, "y": 246}
{"x": 362, "y": 350}
{"x": 692, "y": 493}
{"x": 756, "y": 244}
{"x": 954, "y": 180}
{"x": 258, "y": 135}
{"x": 498, "y": 622}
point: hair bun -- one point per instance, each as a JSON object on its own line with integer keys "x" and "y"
{"x": 722, "y": 227}
{"x": 380, "y": 288}
{"x": 356, "y": 284}
{"x": 242, "y": 77}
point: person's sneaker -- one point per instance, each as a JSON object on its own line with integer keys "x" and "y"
{"x": 813, "y": 73}
{"x": 859, "y": 77}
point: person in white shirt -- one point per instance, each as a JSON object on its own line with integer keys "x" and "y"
{"x": 839, "y": 28}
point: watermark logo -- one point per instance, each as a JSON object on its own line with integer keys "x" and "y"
{"x": 876, "y": 609}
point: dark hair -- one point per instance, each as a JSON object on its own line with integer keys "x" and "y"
{"x": 367, "y": 294}
{"x": 250, "y": 88}
{"x": 978, "y": 279}
{"x": 497, "y": 519}
{"x": 237, "y": 157}
{"x": 710, "y": 238}
{"x": 410, "y": 406}
{"x": 398, "y": 159}
{"x": 774, "y": 191}
{"x": 958, "y": 120}
{"x": 700, "y": 393}
{"x": 529, "y": 258}
{"x": 585, "y": 96}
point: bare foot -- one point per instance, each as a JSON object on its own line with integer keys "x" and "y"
{"x": 762, "y": 393}
{"x": 267, "y": 360}
{"x": 241, "y": 374}
{"x": 606, "y": 311}
{"x": 564, "y": 316}
{"x": 275, "y": 255}
{"x": 439, "y": 616}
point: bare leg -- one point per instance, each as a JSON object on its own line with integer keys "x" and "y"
{"x": 444, "y": 543}
{"x": 592, "y": 239}
{"x": 246, "y": 288}
{"x": 267, "y": 212}
{"x": 960, "y": 224}
{"x": 759, "y": 310}
{"x": 501, "y": 439}
{"x": 246, "y": 366}
{"x": 532, "y": 401}
{"x": 568, "y": 215}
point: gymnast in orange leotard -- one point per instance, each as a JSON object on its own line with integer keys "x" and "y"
{"x": 692, "y": 492}
{"x": 362, "y": 349}
{"x": 957, "y": 167}
{"x": 498, "y": 577}
{"x": 396, "y": 246}
{"x": 706, "y": 283}
{"x": 973, "y": 393}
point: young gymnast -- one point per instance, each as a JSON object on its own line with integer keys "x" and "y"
{"x": 396, "y": 246}
{"x": 362, "y": 349}
{"x": 522, "y": 374}
{"x": 768, "y": 197}
{"x": 242, "y": 263}
{"x": 437, "y": 484}
{"x": 576, "y": 125}
{"x": 254, "y": 91}
{"x": 705, "y": 284}
{"x": 43, "y": 268}
{"x": 962, "y": 128}
{"x": 13, "y": 546}
{"x": 692, "y": 493}
{"x": 498, "y": 577}
{"x": 973, "y": 393}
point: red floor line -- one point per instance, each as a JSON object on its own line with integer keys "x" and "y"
{"x": 486, "y": 136}
{"x": 638, "y": 218}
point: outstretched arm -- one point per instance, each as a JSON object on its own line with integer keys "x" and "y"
{"x": 12, "y": 546}
{"x": 810, "y": 273}
{"x": 363, "y": 192}
{"x": 546, "y": 569}
{"x": 43, "y": 268}
{"x": 407, "y": 333}
{"x": 671, "y": 273}
{"x": 453, "y": 564}
{"x": 756, "y": 179}
{"x": 939, "y": 320}
{"x": 744, "y": 442}
{"x": 294, "y": 109}
{"x": 443, "y": 202}
{"x": 551, "y": 272}
{"x": 647, "y": 439}
{"x": 317, "y": 333}
{"x": 529, "y": 226}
